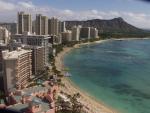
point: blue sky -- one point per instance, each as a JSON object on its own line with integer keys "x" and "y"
{"x": 135, "y": 12}
{"x": 105, "y": 5}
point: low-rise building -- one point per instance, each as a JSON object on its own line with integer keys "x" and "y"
{"x": 37, "y": 99}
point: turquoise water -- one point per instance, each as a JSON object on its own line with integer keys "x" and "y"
{"x": 114, "y": 72}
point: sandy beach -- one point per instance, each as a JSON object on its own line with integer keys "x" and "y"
{"x": 90, "y": 104}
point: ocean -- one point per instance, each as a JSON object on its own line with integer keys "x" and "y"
{"x": 116, "y": 73}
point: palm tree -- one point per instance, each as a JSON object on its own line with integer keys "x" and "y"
{"x": 63, "y": 106}
{"x": 76, "y": 105}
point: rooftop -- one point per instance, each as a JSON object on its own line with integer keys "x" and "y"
{"x": 29, "y": 92}
{"x": 32, "y": 35}
{"x": 33, "y": 96}
{"x": 34, "y": 89}
{"x": 31, "y": 47}
{"x": 45, "y": 106}
{"x": 19, "y": 107}
{"x": 14, "y": 54}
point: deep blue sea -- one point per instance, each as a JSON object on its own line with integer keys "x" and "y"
{"x": 114, "y": 72}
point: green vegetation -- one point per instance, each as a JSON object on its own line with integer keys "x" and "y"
{"x": 71, "y": 43}
{"x": 2, "y": 95}
{"x": 51, "y": 58}
{"x": 55, "y": 70}
{"x": 93, "y": 39}
{"x": 76, "y": 106}
{"x": 108, "y": 35}
{"x": 58, "y": 48}
{"x": 35, "y": 84}
{"x": 71, "y": 106}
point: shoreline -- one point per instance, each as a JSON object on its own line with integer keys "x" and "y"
{"x": 91, "y": 105}
{"x": 111, "y": 39}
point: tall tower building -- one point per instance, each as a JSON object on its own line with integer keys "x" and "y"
{"x": 62, "y": 27}
{"x": 35, "y": 40}
{"x": 53, "y": 26}
{"x": 17, "y": 69}
{"x": 66, "y": 36}
{"x": 76, "y": 33}
{"x": 93, "y": 33}
{"x": 38, "y": 58}
{"x": 4, "y": 35}
{"x": 41, "y": 25}
{"x": 24, "y": 23}
{"x": 85, "y": 33}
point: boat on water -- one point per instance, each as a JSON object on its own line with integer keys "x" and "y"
{"x": 67, "y": 74}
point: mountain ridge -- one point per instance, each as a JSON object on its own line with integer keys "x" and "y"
{"x": 115, "y": 25}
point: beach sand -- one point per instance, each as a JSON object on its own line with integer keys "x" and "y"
{"x": 90, "y": 104}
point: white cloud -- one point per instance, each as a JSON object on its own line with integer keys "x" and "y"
{"x": 94, "y": 11}
{"x": 114, "y": 13}
{"x": 26, "y": 4}
{"x": 6, "y": 6}
{"x": 67, "y": 11}
{"x": 137, "y": 19}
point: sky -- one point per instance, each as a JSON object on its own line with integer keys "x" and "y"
{"x": 135, "y": 12}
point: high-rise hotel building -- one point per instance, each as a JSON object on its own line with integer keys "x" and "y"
{"x": 41, "y": 25}
{"x": 62, "y": 27}
{"x": 56, "y": 27}
{"x": 93, "y": 32}
{"x": 76, "y": 33}
{"x": 88, "y": 33}
{"x": 24, "y": 23}
{"x": 17, "y": 68}
{"x": 35, "y": 40}
{"x": 66, "y": 36}
{"x": 38, "y": 55}
{"x": 38, "y": 58}
{"x": 4, "y": 35}
{"x": 53, "y": 26}
{"x": 85, "y": 33}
